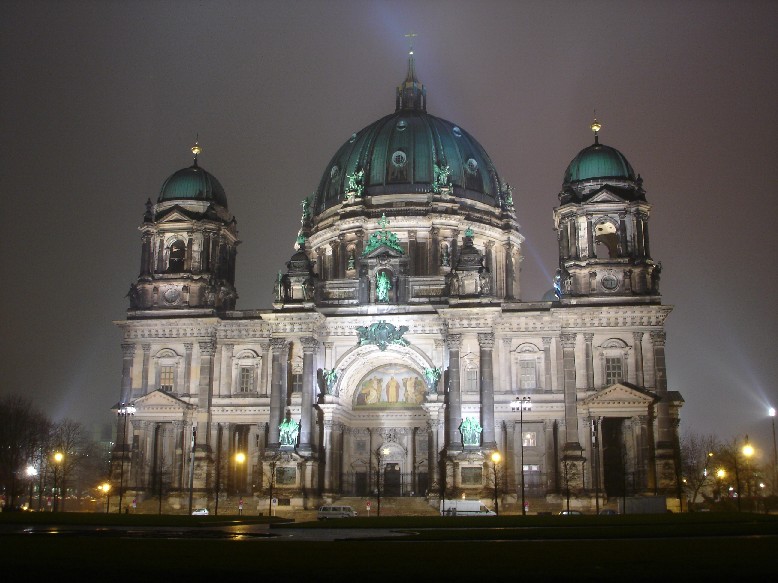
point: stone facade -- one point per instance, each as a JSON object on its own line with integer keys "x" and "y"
{"x": 398, "y": 353}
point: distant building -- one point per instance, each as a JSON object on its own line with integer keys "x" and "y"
{"x": 398, "y": 352}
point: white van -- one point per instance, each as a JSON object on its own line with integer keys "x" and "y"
{"x": 326, "y": 512}
{"x": 464, "y": 508}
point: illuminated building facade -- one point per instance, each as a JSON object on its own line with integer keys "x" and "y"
{"x": 398, "y": 346}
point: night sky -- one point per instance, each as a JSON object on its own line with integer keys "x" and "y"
{"x": 101, "y": 101}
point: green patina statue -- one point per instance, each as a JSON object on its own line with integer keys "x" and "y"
{"x": 432, "y": 375}
{"x": 354, "y": 183}
{"x": 382, "y": 334}
{"x": 382, "y": 287}
{"x": 471, "y": 431}
{"x": 383, "y": 237}
{"x": 289, "y": 429}
{"x": 441, "y": 178}
{"x": 330, "y": 377}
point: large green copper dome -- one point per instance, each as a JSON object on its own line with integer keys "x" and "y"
{"x": 596, "y": 162}
{"x": 193, "y": 183}
{"x": 409, "y": 152}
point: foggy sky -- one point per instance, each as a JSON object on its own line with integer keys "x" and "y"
{"x": 101, "y": 101}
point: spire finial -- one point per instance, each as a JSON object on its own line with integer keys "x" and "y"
{"x": 196, "y": 149}
{"x": 596, "y": 125}
{"x": 410, "y": 36}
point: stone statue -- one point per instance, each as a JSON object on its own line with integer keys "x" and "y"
{"x": 330, "y": 377}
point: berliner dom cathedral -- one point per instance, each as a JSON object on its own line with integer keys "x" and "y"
{"x": 398, "y": 355}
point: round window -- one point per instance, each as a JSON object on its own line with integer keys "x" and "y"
{"x": 472, "y": 166}
{"x": 334, "y": 172}
{"x": 352, "y": 139}
{"x": 399, "y": 158}
{"x": 401, "y": 125}
{"x": 457, "y": 131}
{"x": 610, "y": 283}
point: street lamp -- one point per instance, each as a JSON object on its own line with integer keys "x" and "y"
{"x": 381, "y": 454}
{"x": 58, "y": 457}
{"x": 125, "y": 409}
{"x": 240, "y": 458}
{"x": 771, "y": 413}
{"x": 496, "y": 458}
{"x": 105, "y": 488}
{"x": 522, "y": 403}
{"x": 30, "y": 472}
{"x": 748, "y": 451}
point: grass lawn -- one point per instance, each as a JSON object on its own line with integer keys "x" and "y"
{"x": 688, "y": 547}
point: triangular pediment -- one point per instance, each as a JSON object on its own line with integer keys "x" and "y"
{"x": 383, "y": 250}
{"x": 605, "y": 195}
{"x": 620, "y": 397}
{"x": 160, "y": 400}
{"x": 175, "y": 215}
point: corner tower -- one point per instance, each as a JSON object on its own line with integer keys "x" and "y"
{"x": 189, "y": 247}
{"x": 602, "y": 228}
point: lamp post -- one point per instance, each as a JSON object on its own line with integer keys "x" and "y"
{"x": 191, "y": 465}
{"x": 496, "y": 458}
{"x": 522, "y": 403}
{"x": 381, "y": 454}
{"x": 720, "y": 475}
{"x": 105, "y": 487}
{"x": 771, "y": 413}
{"x": 125, "y": 409}
{"x": 748, "y": 451}
{"x": 30, "y": 472}
{"x": 58, "y": 457}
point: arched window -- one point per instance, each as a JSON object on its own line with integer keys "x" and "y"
{"x": 527, "y": 362}
{"x": 177, "y": 256}
{"x": 167, "y": 364}
{"x": 613, "y": 361}
{"x": 606, "y": 240}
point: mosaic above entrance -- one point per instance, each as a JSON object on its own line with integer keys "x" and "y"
{"x": 388, "y": 387}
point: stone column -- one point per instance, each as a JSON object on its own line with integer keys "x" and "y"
{"x": 623, "y": 235}
{"x": 660, "y": 375}
{"x": 434, "y": 251}
{"x": 334, "y": 245}
{"x": 306, "y": 405}
{"x": 547, "y": 363}
{"x": 486, "y": 343}
{"x": 571, "y": 405}
{"x": 342, "y": 256}
{"x": 505, "y": 382}
{"x": 205, "y": 388}
{"x": 145, "y": 369}
{"x": 638, "y": 342}
{"x": 279, "y": 347}
{"x": 226, "y": 385}
{"x": 328, "y": 411}
{"x": 591, "y": 251}
{"x": 510, "y": 275}
{"x": 413, "y": 260}
{"x": 128, "y": 354}
{"x": 187, "y": 388}
{"x": 454, "y": 409}
{"x": 145, "y": 255}
{"x": 588, "y": 337}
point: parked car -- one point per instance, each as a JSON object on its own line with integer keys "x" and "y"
{"x": 326, "y": 512}
{"x": 608, "y": 512}
{"x": 200, "y": 512}
{"x": 570, "y": 513}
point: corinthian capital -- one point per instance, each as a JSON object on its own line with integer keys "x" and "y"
{"x": 486, "y": 340}
{"x": 207, "y": 347}
{"x": 567, "y": 339}
{"x": 658, "y": 337}
{"x": 454, "y": 341}
{"x": 278, "y": 344}
{"x": 309, "y": 343}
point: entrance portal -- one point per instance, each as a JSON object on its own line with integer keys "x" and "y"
{"x": 614, "y": 457}
{"x": 392, "y": 480}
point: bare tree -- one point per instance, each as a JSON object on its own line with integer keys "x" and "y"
{"x": 72, "y": 440}
{"x": 23, "y": 432}
{"x": 697, "y": 460}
